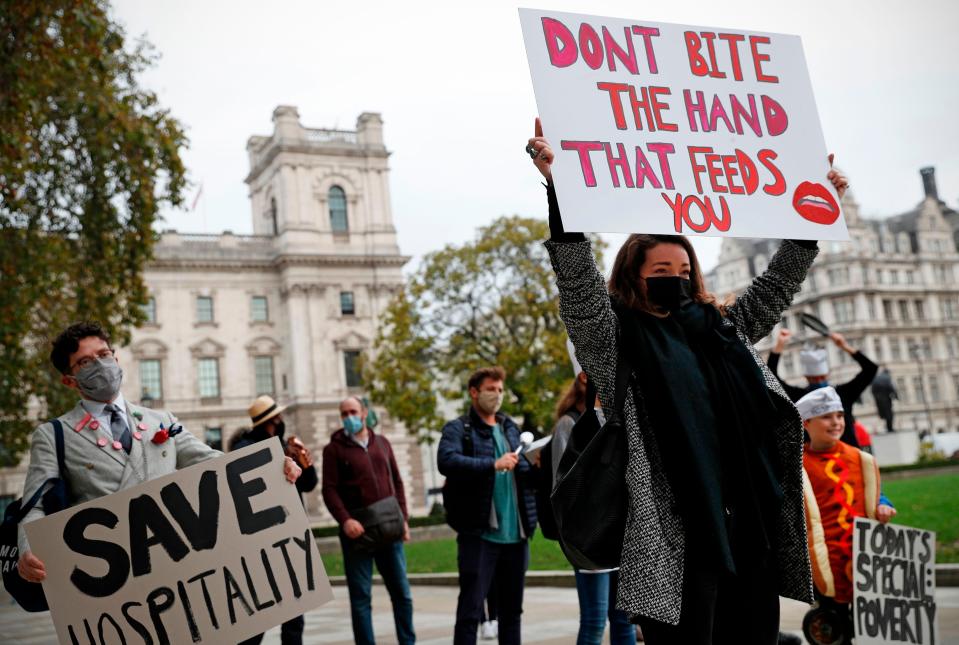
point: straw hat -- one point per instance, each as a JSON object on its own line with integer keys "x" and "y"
{"x": 264, "y": 409}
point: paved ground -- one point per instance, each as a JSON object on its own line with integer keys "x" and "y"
{"x": 550, "y": 618}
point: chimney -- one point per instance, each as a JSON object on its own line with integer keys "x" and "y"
{"x": 929, "y": 182}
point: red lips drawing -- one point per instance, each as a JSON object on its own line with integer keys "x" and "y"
{"x": 815, "y": 203}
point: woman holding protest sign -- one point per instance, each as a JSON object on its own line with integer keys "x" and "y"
{"x": 715, "y": 530}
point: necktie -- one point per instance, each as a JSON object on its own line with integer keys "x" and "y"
{"x": 118, "y": 426}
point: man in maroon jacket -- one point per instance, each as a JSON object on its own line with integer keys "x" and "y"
{"x": 359, "y": 468}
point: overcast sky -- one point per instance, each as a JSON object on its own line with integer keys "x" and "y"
{"x": 452, "y": 84}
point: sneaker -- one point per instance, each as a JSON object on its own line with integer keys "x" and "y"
{"x": 489, "y": 630}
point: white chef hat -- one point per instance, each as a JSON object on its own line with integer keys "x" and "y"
{"x": 572, "y": 357}
{"x": 815, "y": 361}
{"x": 819, "y": 402}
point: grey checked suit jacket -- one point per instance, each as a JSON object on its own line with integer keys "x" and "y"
{"x": 651, "y": 573}
{"x": 93, "y": 471}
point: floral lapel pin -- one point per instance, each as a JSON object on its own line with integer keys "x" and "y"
{"x": 161, "y": 435}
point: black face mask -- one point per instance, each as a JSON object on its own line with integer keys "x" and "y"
{"x": 669, "y": 292}
{"x": 278, "y": 429}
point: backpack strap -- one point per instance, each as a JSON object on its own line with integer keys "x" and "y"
{"x": 61, "y": 468}
{"x": 58, "y": 438}
{"x": 623, "y": 372}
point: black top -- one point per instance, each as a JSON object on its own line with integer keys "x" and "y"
{"x": 848, "y": 392}
{"x": 308, "y": 478}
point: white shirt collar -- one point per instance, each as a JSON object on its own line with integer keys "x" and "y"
{"x": 95, "y": 408}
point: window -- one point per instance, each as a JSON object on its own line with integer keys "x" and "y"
{"x": 259, "y": 312}
{"x": 879, "y": 276}
{"x": 925, "y": 348}
{"x": 952, "y": 346}
{"x": 150, "y": 311}
{"x": 902, "y": 390}
{"x": 214, "y": 438}
{"x": 208, "y": 378}
{"x": 887, "y": 311}
{"x": 895, "y": 348}
{"x": 351, "y": 365}
{"x": 276, "y": 224}
{"x": 877, "y": 348}
{"x": 338, "y": 220}
{"x": 934, "y": 389}
{"x": 263, "y": 373}
{"x": 204, "y": 309}
{"x": 920, "y": 309}
{"x": 845, "y": 310}
{"x": 346, "y": 303}
{"x": 955, "y": 383}
{"x": 838, "y": 276}
{"x": 151, "y": 385}
{"x": 871, "y": 305}
{"x": 950, "y": 307}
{"x": 894, "y": 276}
{"x": 904, "y": 310}
{"x": 918, "y": 389}
{"x": 910, "y": 277}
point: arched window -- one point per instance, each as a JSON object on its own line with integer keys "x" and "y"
{"x": 276, "y": 226}
{"x": 338, "y": 221}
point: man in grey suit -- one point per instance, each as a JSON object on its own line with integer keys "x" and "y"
{"x": 109, "y": 443}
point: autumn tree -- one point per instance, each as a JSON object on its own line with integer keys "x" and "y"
{"x": 87, "y": 159}
{"x": 492, "y": 301}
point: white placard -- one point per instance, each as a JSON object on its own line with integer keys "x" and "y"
{"x": 894, "y": 584}
{"x": 214, "y": 553}
{"x": 663, "y": 128}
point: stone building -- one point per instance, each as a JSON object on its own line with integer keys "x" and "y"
{"x": 892, "y": 291}
{"x": 286, "y": 311}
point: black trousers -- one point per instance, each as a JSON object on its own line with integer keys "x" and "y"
{"x": 291, "y": 633}
{"x": 720, "y": 609}
{"x": 484, "y": 565}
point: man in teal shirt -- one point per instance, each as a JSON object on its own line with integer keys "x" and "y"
{"x": 491, "y": 506}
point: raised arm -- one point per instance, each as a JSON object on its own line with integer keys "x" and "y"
{"x": 584, "y": 303}
{"x": 760, "y": 307}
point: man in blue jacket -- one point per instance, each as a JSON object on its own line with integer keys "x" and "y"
{"x": 490, "y": 503}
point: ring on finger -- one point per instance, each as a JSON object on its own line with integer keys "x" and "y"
{"x": 531, "y": 151}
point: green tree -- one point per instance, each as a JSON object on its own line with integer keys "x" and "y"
{"x": 492, "y": 301}
{"x": 87, "y": 159}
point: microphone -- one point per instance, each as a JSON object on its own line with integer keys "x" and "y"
{"x": 525, "y": 439}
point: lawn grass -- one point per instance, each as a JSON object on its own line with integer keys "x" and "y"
{"x": 439, "y": 556}
{"x": 932, "y": 503}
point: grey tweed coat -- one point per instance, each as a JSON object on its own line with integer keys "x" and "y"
{"x": 651, "y": 574}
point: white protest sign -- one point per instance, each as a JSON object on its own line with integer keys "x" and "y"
{"x": 894, "y": 584}
{"x": 214, "y": 553}
{"x": 662, "y": 128}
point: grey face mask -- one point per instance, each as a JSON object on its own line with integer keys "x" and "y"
{"x": 100, "y": 381}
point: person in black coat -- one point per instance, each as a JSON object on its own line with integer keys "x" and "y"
{"x": 884, "y": 392}
{"x": 490, "y": 502}
{"x": 816, "y": 370}
{"x": 268, "y": 422}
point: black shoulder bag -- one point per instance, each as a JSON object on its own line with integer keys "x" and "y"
{"x": 590, "y": 499}
{"x": 53, "y": 492}
{"x": 383, "y": 521}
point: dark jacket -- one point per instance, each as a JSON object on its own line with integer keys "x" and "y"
{"x": 354, "y": 477}
{"x": 308, "y": 478}
{"x": 469, "y": 471}
{"x": 848, "y": 392}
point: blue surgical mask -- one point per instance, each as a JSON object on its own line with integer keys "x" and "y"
{"x": 352, "y": 424}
